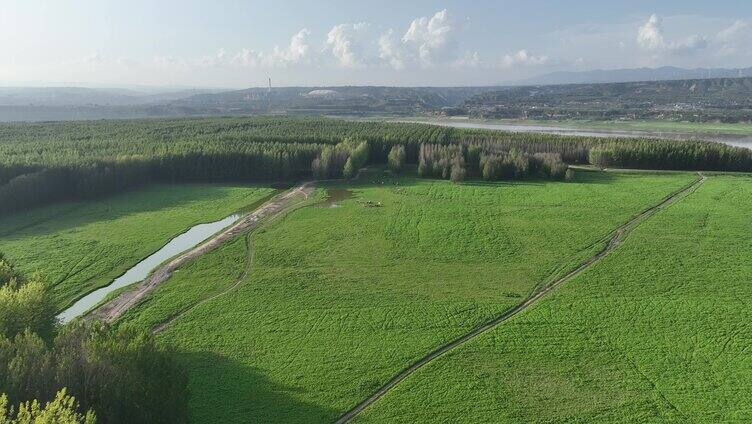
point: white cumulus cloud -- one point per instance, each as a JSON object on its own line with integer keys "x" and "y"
{"x": 431, "y": 37}
{"x": 737, "y": 30}
{"x": 214, "y": 60}
{"x": 523, "y": 58}
{"x": 428, "y": 41}
{"x": 347, "y": 43}
{"x": 297, "y": 51}
{"x": 650, "y": 34}
{"x": 247, "y": 57}
{"x": 650, "y": 37}
{"x": 737, "y": 37}
{"x": 391, "y": 50}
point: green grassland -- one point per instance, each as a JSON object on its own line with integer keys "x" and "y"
{"x": 338, "y": 299}
{"x": 79, "y": 246}
{"x": 657, "y": 331}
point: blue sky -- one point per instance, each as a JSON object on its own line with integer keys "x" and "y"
{"x": 240, "y": 43}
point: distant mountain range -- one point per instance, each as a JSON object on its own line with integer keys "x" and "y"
{"x": 664, "y": 73}
{"x": 338, "y": 100}
{"x": 79, "y": 96}
{"x": 714, "y": 99}
{"x": 38, "y": 104}
{"x": 556, "y": 94}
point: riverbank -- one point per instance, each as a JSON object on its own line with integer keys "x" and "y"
{"x": 732, "y": 134}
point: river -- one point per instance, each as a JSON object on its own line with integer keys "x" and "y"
{"x": 730, "y": 139}
{"x": 187, "y": 240}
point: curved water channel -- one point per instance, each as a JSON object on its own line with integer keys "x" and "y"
{"x": 730, "y": 139}
{"x": 187, "y": 240}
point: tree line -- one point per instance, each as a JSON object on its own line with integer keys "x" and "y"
{"x": 81, "y": 372}
{"x": 490, "y": 162}
{"x": 666, "y": 154}
{"x": 47, "y": 162}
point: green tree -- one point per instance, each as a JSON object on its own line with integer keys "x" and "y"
{"x": 458, "y": 170}
{"x": 63, "y": 409}
{"x": 25, "y": 305}
{"x": 349, "y": 170}
{"x": 396, "y": 158}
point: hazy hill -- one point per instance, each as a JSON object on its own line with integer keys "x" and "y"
{"x": 727, "y": 99}
{"x": 80, "y": 96}
{"x": 632, "y": 75}
{"x": 334, "y": 100}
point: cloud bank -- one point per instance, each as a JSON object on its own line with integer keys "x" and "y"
{"x": 435, "y": 47}
{"x": 651, "y": 38}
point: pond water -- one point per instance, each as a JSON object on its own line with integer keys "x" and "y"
{"x": 334, "y": 196}
{"x": 191, "y": 238}
{"x": 730, "y": 139}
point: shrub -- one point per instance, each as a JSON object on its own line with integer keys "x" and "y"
{"x": 26, "y": 306}
{"x": 63, "y": 409}
{"x": 458, "y": 170}
{"x": 549, "y": 165}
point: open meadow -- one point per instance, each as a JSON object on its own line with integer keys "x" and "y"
{"x": 79, "y": 246}
{"x": 335, "y": 298}
{"x": 657, "y": 331}
{"x": 396, "y": 247}
{"x": 385, "y": 212}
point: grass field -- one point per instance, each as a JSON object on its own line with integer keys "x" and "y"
{"x": 657, "y": 331}
{"x": 77, "y": 247}
{"x": 338, "y": 299}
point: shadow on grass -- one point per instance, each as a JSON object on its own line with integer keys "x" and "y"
{"x": 593, "y": 177}
{"x": 383, "y": 177}
{"x": 226, "y": 391}
{"x": 69, "y": 215}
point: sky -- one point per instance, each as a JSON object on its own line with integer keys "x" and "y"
{"x": 237, "y": 43}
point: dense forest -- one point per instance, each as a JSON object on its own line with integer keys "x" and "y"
{"x": 81, "y": 372}
{"x": 47, "y": 162}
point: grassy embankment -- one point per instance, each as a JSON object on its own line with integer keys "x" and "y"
{"x": 657, "y": 331}
{"x": 80, "y": 246}
{"x": 338, "y": 299}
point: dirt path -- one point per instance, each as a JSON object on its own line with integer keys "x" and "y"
{"x": 114, "y": 308}
{"x": 614, "y": 239}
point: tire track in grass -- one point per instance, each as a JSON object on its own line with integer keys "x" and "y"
{"x": 613, "y": 240}
{"x": 112, "y": 309}
{"x": 248, "y": 262}
{"x": 250, "y": 253}
{"x": 306, "y": 189}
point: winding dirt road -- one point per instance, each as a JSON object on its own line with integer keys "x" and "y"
{"x": 613, "y": 240}
{"x": 114, "y": 308}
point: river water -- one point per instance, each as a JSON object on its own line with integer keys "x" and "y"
{"x": 187, "y": 240}
{"x": 730, "y": 139}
